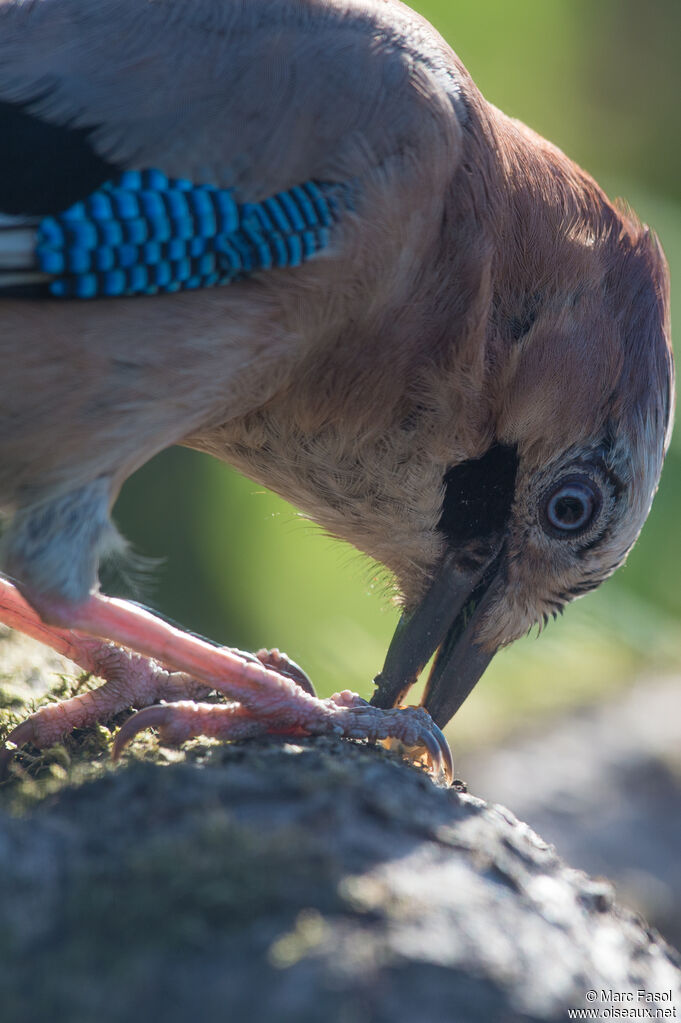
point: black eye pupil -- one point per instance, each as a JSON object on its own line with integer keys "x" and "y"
{"x": 569, "y": 510}
{"x": 571, "y": 507}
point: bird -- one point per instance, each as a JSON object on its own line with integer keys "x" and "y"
{"x": 294, "y": 235}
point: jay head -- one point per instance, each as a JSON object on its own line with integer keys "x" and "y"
{"x": 404, "y": 311}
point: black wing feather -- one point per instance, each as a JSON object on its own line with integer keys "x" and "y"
{"x": 45, "y": 168}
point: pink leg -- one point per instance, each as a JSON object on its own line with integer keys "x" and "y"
{"x": 132, "y": 680}
{"x": 345, "y": 714}
{"x": 270, "y": 700}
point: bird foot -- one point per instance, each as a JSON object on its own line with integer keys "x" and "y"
{"x": 144, "y": 659}
{"x": 131, "y": 681}
{"x": 344, "y": 714}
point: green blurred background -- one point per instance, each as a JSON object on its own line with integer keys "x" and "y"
{"x": 602, "y": 80}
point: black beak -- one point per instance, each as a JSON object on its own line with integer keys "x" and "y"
{"x": 446, "y": 620}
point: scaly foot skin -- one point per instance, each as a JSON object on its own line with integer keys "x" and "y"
{"x": 145, "y": 659}
{"x": 344, "y": 714}
{"x": 131, "y": 681}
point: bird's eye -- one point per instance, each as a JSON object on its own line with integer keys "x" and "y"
{"x": 571, "y": 506}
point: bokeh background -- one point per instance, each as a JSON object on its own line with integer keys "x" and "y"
{"x": 603, "y": 81}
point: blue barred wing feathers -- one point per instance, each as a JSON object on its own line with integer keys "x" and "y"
{"x": 145, "y": 233}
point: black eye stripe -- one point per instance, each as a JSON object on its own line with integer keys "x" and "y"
{"x": 479, "y": 495}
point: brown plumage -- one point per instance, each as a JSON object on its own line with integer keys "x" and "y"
{"x": 472, "y": 382}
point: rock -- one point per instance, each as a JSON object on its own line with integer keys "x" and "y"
{"x": 608, "y": 794}
{"x": 320, "y": 881}
{"x": 312, "y": 881}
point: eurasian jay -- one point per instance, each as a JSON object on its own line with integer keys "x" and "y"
{"x": 293, "y": 234}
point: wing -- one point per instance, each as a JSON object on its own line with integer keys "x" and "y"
{"x": 232, "y": 105}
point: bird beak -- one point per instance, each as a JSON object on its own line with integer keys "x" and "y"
{"x": 446, "y": 620}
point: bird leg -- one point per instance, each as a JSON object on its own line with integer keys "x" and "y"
{"x": 132, "y": 680}
{"x": 270, "y": 692}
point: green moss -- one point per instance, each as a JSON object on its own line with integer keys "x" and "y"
{"x": 189, "y": 887}
{"x": 32, "y": 774}
{"x": 144, "y": 864}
